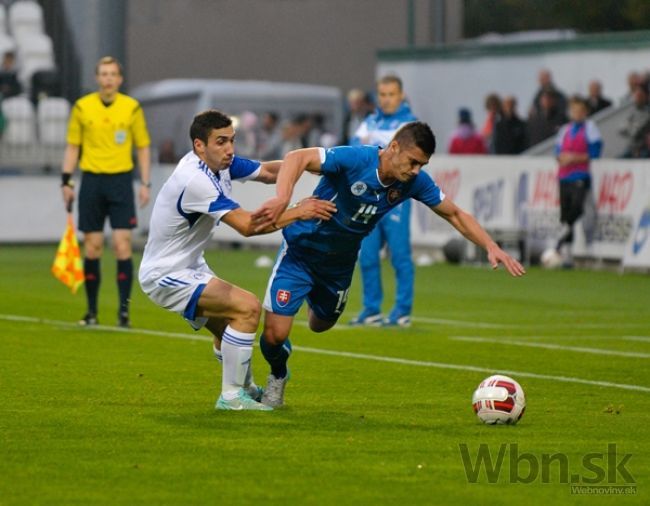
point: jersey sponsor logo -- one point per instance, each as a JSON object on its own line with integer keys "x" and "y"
{"x": 393, "y": 195}
{"x": 282, "y": 297}
{"x": 358, "y": 188}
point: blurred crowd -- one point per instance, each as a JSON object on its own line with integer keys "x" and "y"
{"x": 268, "y": 137}
{"x": 505, "y": 132}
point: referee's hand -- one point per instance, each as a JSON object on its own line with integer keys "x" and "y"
{"x": 68, "y": 197}
{"x": 144, "y": 195}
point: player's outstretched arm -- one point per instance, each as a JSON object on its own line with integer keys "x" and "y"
{"x": 293, "y": 165}
{"x": 470, "y": 228}
{"x": 269, "y": 172}
{"x": 307, "y": 209}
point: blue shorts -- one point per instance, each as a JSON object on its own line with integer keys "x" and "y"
{"x": 321, "y": 278}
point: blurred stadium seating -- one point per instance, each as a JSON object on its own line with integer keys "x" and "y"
{"x": 34, "y": 135}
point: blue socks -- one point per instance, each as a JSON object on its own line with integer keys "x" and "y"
{"x": 276, "y": 355}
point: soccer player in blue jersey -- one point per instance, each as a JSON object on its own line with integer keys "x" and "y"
{"x": 317, "y": 258}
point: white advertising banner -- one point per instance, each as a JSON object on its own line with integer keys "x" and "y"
{"x": 620, "y": 192}
{"x": 637, "y": 249}
{"x": 505, "y": 194}
{"x": 522, "y": 194}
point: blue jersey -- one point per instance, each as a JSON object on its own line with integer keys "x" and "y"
{"x": 379, "y": 128}
{"x": 350, "y": 179}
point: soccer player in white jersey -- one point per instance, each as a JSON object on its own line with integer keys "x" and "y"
{"x": 174, "y": 273}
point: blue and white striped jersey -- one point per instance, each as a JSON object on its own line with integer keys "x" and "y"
{"x": 191, "y": 202}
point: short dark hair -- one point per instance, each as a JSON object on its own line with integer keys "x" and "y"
{"x": 391, "y": 78}
{"x": 418, "y": 133}
{"x": 206, "y": 121}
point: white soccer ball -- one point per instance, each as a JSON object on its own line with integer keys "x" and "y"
{"x": 499, "y": 400}
{"x": 551, "y": 259}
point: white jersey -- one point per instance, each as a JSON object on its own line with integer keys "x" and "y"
{"x": 191, "y": 202}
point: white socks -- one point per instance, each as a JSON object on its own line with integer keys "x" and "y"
{"x": 236, "y": 355}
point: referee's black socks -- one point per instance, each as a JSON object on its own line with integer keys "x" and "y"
{"x": 124, "y": 282}
{"x": 92, "y": 277}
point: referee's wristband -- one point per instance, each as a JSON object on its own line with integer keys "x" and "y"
{"x": 146, "y": 185}
{"x": 66, "y": 180}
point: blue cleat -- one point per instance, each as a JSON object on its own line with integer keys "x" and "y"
{"x": 242, "y": 402}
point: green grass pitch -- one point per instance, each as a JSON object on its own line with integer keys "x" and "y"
{"x": 99, "y": 416}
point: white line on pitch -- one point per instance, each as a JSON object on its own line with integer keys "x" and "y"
{"x": 458, "y": 367}
{"x": 643, "y": 339}
{"x": 362, "y": 356}
{"x": 549, "y": 346}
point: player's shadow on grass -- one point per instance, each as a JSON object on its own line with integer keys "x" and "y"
{"x": 284, "y": 419}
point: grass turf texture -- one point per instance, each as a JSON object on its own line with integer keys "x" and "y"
{"x": 94, "y": 416}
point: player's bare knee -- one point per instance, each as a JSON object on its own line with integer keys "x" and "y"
{"x": 93, "y": 251}
{"x": 122, "y": 249}
{"x": 252, "y": 311}
{"x": 274, "y": 335}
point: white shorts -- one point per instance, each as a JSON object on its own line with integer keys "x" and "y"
{"x": 178, "y": 291}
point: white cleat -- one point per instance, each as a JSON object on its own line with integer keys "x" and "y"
{"x": 274, "y": 392}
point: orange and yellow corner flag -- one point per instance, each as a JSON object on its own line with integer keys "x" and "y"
{"x": 67, "y": 266}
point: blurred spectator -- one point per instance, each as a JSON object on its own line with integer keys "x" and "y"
{"x": 645, "y": 80}
{"x": 547, "y": 121}
{"x": 465, "y": 140}
{"x": 9, "y": 84}
{"x": 510, "y": 132}
{"x": 637, "y": 124}
{"x": 493, "y": 108}
{"x": 634, "y": 79}
{"x": 546, "y": 84}
{"x": 166, "y": 152}
{"x": 295, "y": 133}
{"x": 577, "y": 143}
{"x": 357, "y": 110}
{"x": 270, "y": 137}
{"x": 318, "y": 135}
{"x": 317, "y": 130}
{"x": 644, "y": 152}
{"x": 595, "y": 101}
{"x": 247, "y": 134}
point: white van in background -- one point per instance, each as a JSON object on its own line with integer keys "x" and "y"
{"x": 170, "y": 105}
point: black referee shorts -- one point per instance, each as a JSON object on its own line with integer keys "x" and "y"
{"x": 572, "y": 199}
{"x": 103, "y": 195}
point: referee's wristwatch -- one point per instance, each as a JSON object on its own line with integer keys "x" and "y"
{"x": 146, "y": 185}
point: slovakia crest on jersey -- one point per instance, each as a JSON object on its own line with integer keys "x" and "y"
{"x": 282, "y": 297}
{"x": 358, "y": 188}
{"x": 393, "y": 195}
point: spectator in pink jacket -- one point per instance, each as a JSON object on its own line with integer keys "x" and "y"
{"x": 466, "y": 140}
